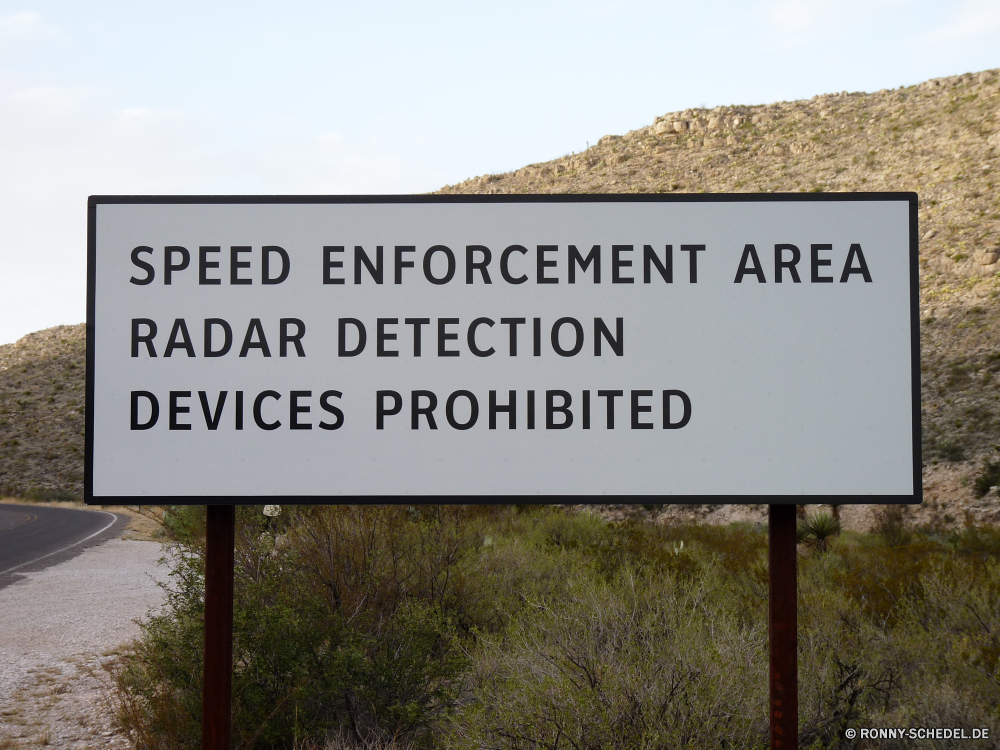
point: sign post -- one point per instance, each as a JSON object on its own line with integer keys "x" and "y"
{"x": 217, "y": 684}
{"x": 550, "y": 349}
{"x": 782, "y": 628}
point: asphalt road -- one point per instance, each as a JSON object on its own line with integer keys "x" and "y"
{"x": 33, "y": 537}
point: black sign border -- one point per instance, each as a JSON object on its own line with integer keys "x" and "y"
{"x": 909, "y": 197}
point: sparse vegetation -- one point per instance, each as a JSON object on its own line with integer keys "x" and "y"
{"x": 818, "y": 529}
{"x": 503, "y": 627}
{"x": 989, "y": 479}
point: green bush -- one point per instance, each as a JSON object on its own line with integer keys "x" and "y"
{"x": 507, "y": 628}
{"x": 353, "y": 618}
{"x": 817, "y": 530}
{"x": 630, "y": 663}
{"x": 989, "y": 478}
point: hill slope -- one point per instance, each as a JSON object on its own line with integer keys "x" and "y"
{"x": 42, "y": 391}
{"x": 940, "y": 139}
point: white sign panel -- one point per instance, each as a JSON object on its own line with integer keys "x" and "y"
{"x": 726, "y": 348}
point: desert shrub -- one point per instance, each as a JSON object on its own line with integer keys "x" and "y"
{"x": 817, "y": 530}
{"x": 890, "y": 524}
{"x": 50, "y": 494}
{"x": 949, "y": 450}
{"x": 978, "y": 542}
{"x": 366, "y": 626}
{"x": 632, "y": 663}
{"x": 184, "y": 524}
{"x": 989, "y": 478}
{"x": 351, "y": 619}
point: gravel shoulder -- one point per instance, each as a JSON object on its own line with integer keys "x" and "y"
{"x": 56, "y": 627}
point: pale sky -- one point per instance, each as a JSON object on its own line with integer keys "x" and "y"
{"x": 181, "y": 97}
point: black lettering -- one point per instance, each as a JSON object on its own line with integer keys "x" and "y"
{"x": 428, "y": 267}
{"x": 575, "y": 259}
{"x": 227, "y": 343}
{"x": 512, "y": 324}
{"x": 295, "y": 339}
{"x": 342, "y": 350}
{"x": 329, "y": 263}
{"x": 693, "y": 251}
{"x": 531, "y": 410}
{"x": 286, "y": 265}
{"x": 780, "y": 263}
{"x": 239, "y": 410}
{"x": 147, "y": 267}
{"x": 536, "y": 327}
{"x": 472, "y": 265}
{"x": 586, "y": 410}
{"x": 505, "y": 260}
{"x": 609, "y": 400}
{"x": 361, "y": 258}
{"x": 338, "y": 415}
{"x": 601, "y": 331}
{"x": 750, "y": 264}
{"x": 472, "y": 338}
{"x": 179, "y": 339}
{"x": 212, "y": 420}
{"x": 176, "y": 410}
{"x": 818, "y": 262}
{"x": 169, "y": 267}
{"x": 381, "y": 337}
{"x": 551, "y": 409}
{"x": 294, "y": 409}
{"x": 400, "y": 263}
{"x": 685, "y": 417}
{"x": 154, "y": 410}
{"x": 381, "y": 411}
{"x": 617, "y": 264}
{"x": 257, "y": 406}
{"x": 578, "y": 344}
{"x": 260, "y": 343}
{"x": 510, "y": 408}
{"x": 204, "y": 264}
{"x": 235, "y": 264}
{"x": 541, "y": 264}
{"x": 640, "y": 409}
{"x": 416, "y": 410}
{"x": 449, "y": 410}
{"x": 852, "y": 254}
{"x": 444, "y": 336}
{"x": 417, "y": 324}
{"x": 650, "y": 259}
{"x": 147, "y": 339}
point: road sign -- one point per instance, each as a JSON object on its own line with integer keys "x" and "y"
{"x": 693, "y": 348}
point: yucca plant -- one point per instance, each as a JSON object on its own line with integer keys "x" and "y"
{"x": 818, "y": 529}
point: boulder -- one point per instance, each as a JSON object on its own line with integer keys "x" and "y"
{"x": 988, "y": 257}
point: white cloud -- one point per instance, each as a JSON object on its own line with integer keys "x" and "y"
{"x": 971, "y": 20}
{"x": 58, "y": 145}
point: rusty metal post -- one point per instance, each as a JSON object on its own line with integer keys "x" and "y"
{"x": 217, "y": 686}
{"x": 783, "y": 628}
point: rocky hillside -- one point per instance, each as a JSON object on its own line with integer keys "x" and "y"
{"x": 940, "y": 139}
{"x": 42, "y": 379}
